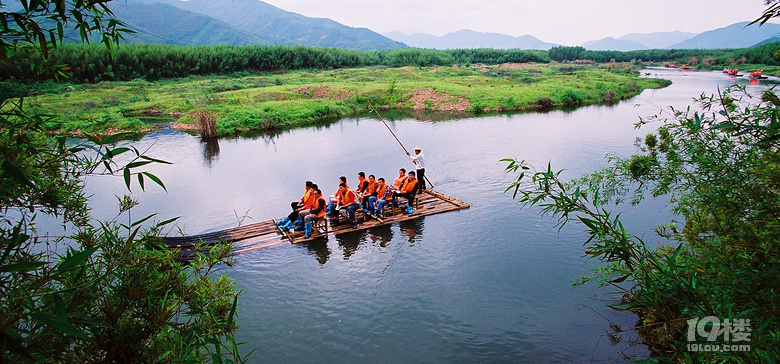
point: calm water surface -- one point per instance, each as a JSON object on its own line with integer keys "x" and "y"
{"x": 488, "y": 284}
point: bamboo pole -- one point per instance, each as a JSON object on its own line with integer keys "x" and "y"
{"x": 395, "y": 136}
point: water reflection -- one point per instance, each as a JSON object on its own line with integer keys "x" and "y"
{"x": 380, "y": 235}
{"x": 319, "y": 248}
{"x": 412, "y": 229}
{"x": 349, "y": 243}
{"x": 210, "y": 150}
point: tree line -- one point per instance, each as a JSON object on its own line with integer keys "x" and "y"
{"x": 763, "y": 54}
{"x": 95, "y": 63}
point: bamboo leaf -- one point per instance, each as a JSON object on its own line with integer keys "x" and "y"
{"x": 16, "y": 173}
{"x": 126, "y": 173}
{"x": 75, "y": 260}
{"x": 155, "y": 179}
{"x": 116, "y": 151}
{"x": 21, "y": 267}
{"x": 59, "y": 325}
{"x": 137, "y": 164}
{"x": 136, "y": 223}
{"x": 155, "y": 160}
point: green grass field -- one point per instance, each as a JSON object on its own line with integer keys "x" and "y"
{"x": 298, "y": 98}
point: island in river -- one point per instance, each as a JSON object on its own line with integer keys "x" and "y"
{"x": 279, "y": 100}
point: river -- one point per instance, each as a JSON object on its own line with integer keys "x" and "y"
{"x": 489, "y": 284}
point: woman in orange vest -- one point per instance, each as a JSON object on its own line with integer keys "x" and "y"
{"x": 408, "y": 190}
{"x": 382, "y": 195}
{"x": 317, "y": 211}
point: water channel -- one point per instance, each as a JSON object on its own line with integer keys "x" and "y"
{"x": 489, "y": 284}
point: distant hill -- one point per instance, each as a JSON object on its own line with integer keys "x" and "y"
{"x": 470, "y": 39}
{"x": 612, "y": 44}
{"x": 737, "y": 35}
{"x": 277, "y": 26}
{"x": 658, "y": 40}
{"x": 767, "y": 41}
{"x": 159, "y": 23}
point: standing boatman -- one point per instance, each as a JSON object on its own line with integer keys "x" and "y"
{"x": 419, "y": 163}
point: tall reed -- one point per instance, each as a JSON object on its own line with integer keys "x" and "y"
{"x": 207, "y": 124}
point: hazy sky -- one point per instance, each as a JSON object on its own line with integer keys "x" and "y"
{"x": 569, "y": 22}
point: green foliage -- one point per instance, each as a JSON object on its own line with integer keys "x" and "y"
{"x": 566, "y": 53}
{"x": 157, "y": 61}
{"x": 115, "y": 295}
{"x": 287, "y": 99}
{"x": 718, "y": 166}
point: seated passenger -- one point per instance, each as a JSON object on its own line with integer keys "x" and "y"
{"x": 347, "y": 200}
{"x": 317, "y": 211}
{"x": 382, "y": 195}
{"x": 304, "y": 203}
{"x": 407, "y": 191}
{"x": 371, "y": 191}
{"x": 399, "y": 182}
{"x": 334, "y": 198}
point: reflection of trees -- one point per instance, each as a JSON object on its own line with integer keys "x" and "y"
{"x": 210, "y": 150}
{"x": 413, "y": 229}
{"x": 319, "y": 248}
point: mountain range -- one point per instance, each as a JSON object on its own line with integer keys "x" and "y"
{"x": 240, "y": 22}
{"x": 634, "y": 41}
{"x": 738, "y": 35}
{"x": 469, "y": 39}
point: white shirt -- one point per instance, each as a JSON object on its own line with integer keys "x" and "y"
{"x": 418, "y": 161}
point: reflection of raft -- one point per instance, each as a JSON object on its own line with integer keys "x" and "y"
{"x": 265, "y": 234}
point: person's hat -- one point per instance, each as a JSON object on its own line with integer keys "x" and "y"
{"x": 417, "y": 148}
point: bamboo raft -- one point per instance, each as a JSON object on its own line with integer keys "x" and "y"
{"x": 266, "y": 234}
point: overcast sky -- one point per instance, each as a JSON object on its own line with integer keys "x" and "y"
{"x": 568, "y": 22}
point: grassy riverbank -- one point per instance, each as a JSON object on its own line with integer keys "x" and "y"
{"x": 270, "y": 101}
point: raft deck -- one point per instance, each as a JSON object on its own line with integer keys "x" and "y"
{"x": 266, "y": 234}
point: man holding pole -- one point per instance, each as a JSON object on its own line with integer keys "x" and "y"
{"x": 419, "y": 163}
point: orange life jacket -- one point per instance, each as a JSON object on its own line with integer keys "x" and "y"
{"x": 371, "y": 187}
{"x": 380, "y": 192}
{"x": 321, "y": 214}
{"x": 409, "y": 186}
{"x": 308, "y": 199}
{"x": 361, "y": 183}
{"x": 399, "y": 181}
{"x": 348, "y": 197}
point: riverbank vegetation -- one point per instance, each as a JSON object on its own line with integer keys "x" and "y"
{"x": 259, "y": 88}
{"x": 716, "y": 286}
{"x": 152, "y": 62}
{"x": 274, "y": 100}
{"x": 108, "y": 292}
